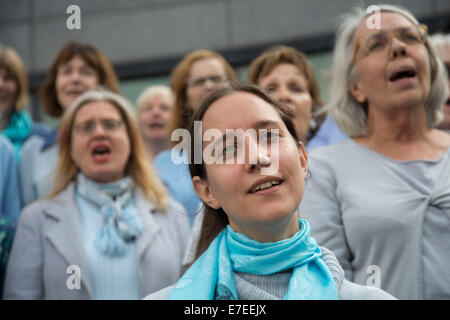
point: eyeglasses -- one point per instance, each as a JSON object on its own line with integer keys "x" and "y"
{"x": 88, "y": 127}
{"x": 200, "y": 82}
{"x": 379, "y": 41}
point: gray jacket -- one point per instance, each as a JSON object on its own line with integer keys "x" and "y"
{"x": 346, "y": 290}
{"x": 49, "y": 239}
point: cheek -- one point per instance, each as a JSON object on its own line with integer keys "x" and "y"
{"x": 303, "y": 104}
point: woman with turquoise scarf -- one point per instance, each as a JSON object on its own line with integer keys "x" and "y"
{"x": 253, "y": 245}
{"x": 15, "y": 122}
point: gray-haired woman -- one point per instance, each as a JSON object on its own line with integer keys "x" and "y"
{"x": 381, "y": 200}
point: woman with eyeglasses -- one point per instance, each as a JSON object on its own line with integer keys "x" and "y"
{"x": 381, "y": 200}
{"x": 77, "y": 67}
{"x": 108, "y": 230}
{"x": 442, "y": 45}
{"x": 196, "y": 76}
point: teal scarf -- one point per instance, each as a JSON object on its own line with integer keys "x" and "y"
{"x": 211, "y": 276}
{"x": 18, "y": 130}
{"x": 121, "y": 225}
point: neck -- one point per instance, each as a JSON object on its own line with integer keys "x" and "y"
{"x": 5, "y": 117}
{"x": 153, "y": 147}
{"x": 269, "y": 232}
{"x": 404, "y": 125}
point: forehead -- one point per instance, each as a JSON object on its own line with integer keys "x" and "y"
{"x": 76, "y": 60}
{"x": 239, "y": 110}
{"x": 284, "y": 70}
{"x": 388, "y": 21}
{"x": 97, "y": 109}
{"x": 205, "y": 67}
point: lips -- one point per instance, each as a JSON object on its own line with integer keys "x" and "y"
{"x": 101, "y": 153}
{"x": 265, "y": 184}
{"x": 402, "y": 73}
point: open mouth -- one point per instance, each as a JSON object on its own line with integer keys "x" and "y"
{"x": 264, "y": 186}
{"x": 156, "y": 125}
{"x": 403, "y": 73}
{"x": 101, "y": 153}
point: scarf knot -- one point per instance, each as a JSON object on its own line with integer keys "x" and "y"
{"x": 211, "y": 276}
{"x": 121, "y": 225}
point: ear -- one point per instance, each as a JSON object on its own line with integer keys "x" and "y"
{"x": 357, "y": 92}
{"x": 205, "y": 193}
{"x": 303, "y": 157}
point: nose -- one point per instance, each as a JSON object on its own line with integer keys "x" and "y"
{"x": 257, "y": 157}
{"x": 398, "y": 48}
{"x": 283, "y": 95}
{"x": 98, "y": 130}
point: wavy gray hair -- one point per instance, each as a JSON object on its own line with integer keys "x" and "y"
{"x": 349, "y": 113}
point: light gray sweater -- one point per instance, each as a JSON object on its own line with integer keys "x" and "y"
{"x": 387, "y": 221}
{"x": 274, "y": 287}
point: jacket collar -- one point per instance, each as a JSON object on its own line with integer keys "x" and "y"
{"x": 49, "y": 139}
{"x": 67, "y": 235}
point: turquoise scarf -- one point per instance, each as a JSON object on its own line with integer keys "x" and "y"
{"x": 121, "y": 225}
{"x": 18, "y": 130}
{"x": 211, "y": 276}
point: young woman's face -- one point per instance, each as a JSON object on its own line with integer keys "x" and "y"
{"x": 205, "y": 76}
{"x": 254, "y": 205}
{"x": 100, "y": 143}
{"x": 154, "y": 116}
{"x": 286, "y": 84}
{"x": 73, "y": 79}
{"x": 8, "y": 90}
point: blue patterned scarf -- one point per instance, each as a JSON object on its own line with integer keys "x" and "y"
{"x": 121, "y": 226}
{"x": 211, "y": 276}
{"x": 18, "y": 130}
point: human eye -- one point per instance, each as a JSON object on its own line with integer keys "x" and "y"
{"x": 410, "y": 35}
{"x": 270, "y": 135}
{"x": 110, "y": 124}
{"x": 85, "y": 127}
{"x": 271, "y": 88}
{"x": 376, "y": 42}
{"x": 64, "y": 70}
{"x": 296, "y": 87}
{"x": 87, "y": 71}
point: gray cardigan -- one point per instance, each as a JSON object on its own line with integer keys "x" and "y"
{"x": 49, "y": 239}
{"x": 255, "y": 290}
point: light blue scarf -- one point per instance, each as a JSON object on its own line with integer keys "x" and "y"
{"x": 211, "y": 276}
{"x": 121, "y": 226}
{"x": 18, "y": 130}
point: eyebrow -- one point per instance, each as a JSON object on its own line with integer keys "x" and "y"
{"x": 264, "y": 124}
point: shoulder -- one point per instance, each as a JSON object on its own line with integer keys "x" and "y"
{"x": 353, "y": 291}
{"x": 49, "y": 206}
{"x": 33, "y": 144}
{"x": 162, "y": 294}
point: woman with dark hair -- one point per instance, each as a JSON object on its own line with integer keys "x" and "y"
{"x": 252, "y": 243}
{"x": 77, "y": 68}
{"x": 287, "y": 75}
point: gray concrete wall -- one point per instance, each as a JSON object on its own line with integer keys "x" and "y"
{"x": 143, "y": 30}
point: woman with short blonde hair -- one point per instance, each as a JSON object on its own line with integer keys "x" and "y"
{"x": 154, "y": 109}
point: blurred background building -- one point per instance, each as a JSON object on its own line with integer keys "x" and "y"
{"x": 144, "y": 39}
